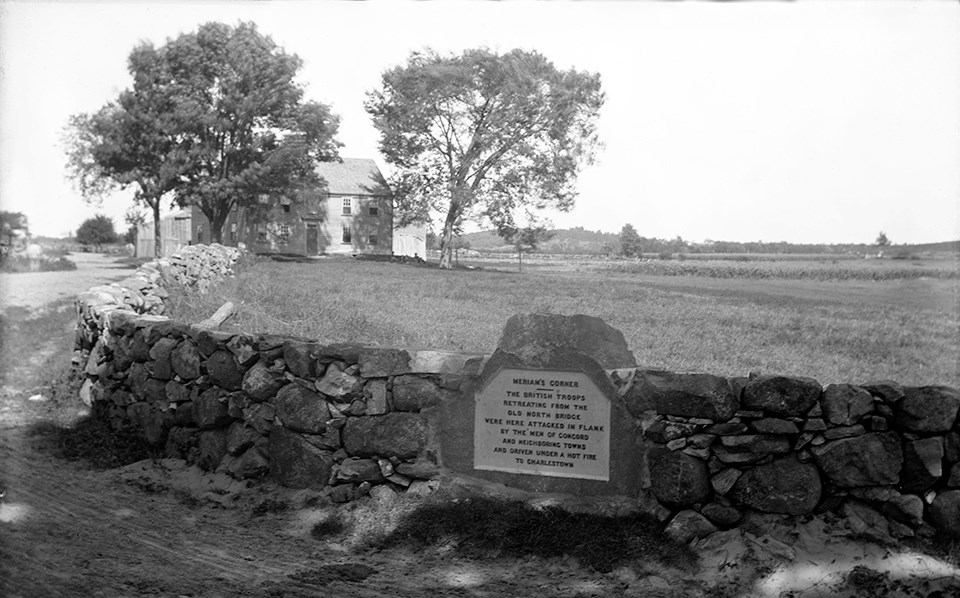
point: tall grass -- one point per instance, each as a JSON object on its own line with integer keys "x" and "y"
{"x": 855, "y": 333}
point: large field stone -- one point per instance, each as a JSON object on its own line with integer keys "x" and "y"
{"x": 381, "y": 362}
{"x": 240, "y": 437}
{"x": 677, "y": 479}
{"x": 159, "y": 363}
{"x": 296, "y": 463}
{"x": 213, "y": 447}
{"x": 688, "y": 395}
{"x": 300, "y": 358}
{"x": 224, "y": 370}
{"x": 401, "y": 435}
{"x": 244, "y": 349}
{"x": 845, "y": 404}
{"x": 782, "y": 486}
{"x": 536, "y": 337}
{"x": 176, "y": 392}
{"x": 302, "y": 409}
{"x": 922, "y": 464}
{"x": 412, "y": 393}
{"x": 781, "y": 395}
{"x": 888, "y": 391}
{"x": 210, "y": 409}
{"x": 185, "y": 360}
{"x": 688, "y": 525}
{"x": 927, "y": 409}
{"x": 870, "y": 460}
{"x": 945, "y": 513}
{"x": 261, "y": 383}
{"x": 339, "y": 385}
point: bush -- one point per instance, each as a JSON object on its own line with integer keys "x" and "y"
{"x": 20, "y": 263}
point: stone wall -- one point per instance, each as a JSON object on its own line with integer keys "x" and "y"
{"x": 347, "y": 420}
{"x": 885, "y": 456}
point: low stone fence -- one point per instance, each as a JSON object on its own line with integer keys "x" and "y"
{"x": 886, "y": 456}
{"x": 560, "y": 407}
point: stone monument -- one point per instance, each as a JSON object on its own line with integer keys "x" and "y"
{"x": 543, "y": 415}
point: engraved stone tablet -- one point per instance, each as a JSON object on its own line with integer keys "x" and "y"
{"x": 541, "y": 422}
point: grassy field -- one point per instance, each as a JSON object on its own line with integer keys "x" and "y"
{"x": 852, "y": 330}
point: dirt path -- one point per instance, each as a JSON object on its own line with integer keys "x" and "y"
{"x": 34, "y": 289}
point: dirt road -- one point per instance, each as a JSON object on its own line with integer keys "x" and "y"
{"x": 34, "y": 289}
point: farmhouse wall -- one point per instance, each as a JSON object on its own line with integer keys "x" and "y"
{"x": 343, "y": 418}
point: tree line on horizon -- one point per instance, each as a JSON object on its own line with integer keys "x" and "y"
{"x": 630, "y": 244}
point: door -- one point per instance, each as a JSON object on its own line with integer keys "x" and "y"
{"x": 312, "y": 239}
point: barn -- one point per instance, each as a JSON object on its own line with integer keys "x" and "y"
{"x": 174, "y": 234}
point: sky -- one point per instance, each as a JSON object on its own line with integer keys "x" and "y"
{"x": 805, "y": 122}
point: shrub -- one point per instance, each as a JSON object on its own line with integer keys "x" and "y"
{"x": 19, "y": 263}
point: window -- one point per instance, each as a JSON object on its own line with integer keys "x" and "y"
{"x": 284, "y": 234}
{"x": 374, "y": 210}
{"x": 286, "y": 208}
{"x": 347, "y": 237}
{"x": 200, "y": 233}
{"x": 233, "y": 231}
{"x": 347, "y": 206}
{"x": 261, "y": 234}
{"x": 263, "y": 198}
{"x": 372, "y": 239}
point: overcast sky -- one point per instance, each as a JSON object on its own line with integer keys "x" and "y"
{"x": 804, "y": 122}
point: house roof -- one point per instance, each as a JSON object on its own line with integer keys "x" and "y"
{"x": 353, "y": 176}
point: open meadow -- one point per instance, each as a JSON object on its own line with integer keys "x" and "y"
{"x": 832, "y": 328}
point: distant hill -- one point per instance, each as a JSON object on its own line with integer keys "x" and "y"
{"x": 580, "y": 241}
{"x": 566, "y": 240}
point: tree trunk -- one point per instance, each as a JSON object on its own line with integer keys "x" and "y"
{"x": 446, "y": 244}
{"x": 157, "y": 238}
{"x": 216, "y": 228}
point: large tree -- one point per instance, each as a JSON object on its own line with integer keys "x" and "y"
{"x": 248, "y": 130}
{"x": 215, "y": 117}
{"x": 630, "y": 242}
{"x": 132, "y": 142}
{"x": 96, "y": 231}
{"x": 482, "y": 134}
{"x": 526, "y": 239}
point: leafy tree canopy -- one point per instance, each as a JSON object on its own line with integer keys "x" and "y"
{"x": 12, "y": 223}
{"x": 214, "y": 117}
{"x": 527, "y": 238}
{"x": 882, "y": 240}
{"x": 96, "y": 231}
{"x": 630, "y": 242}
{"x": 481, "y": 134}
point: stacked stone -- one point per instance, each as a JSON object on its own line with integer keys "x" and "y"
{"x": 199, "y": 266}
{"x": 340, "y": 419}
{"x": 139, "y": 294}
{"x": 886, "y": 457}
